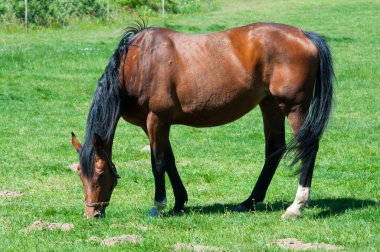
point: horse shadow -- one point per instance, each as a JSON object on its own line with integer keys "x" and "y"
{"x": 336, "y": 207}
{"x": 328, "y": 207}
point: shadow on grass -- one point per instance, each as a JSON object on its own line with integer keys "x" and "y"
{"x": 326, "y": 207}
{"x": 335, "y": 207}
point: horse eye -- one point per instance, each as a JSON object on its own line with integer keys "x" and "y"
{"x": 101, "y": 174}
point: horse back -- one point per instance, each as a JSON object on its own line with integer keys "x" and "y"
{"x": 208, "y": 79}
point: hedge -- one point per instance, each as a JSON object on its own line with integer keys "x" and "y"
{"x": 59, "y": 12}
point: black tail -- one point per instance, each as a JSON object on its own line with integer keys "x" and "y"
{"x": 305, "y": 144}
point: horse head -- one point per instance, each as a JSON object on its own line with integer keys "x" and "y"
{"x": 99, "y": 180}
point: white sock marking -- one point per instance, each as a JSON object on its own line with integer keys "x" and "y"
{"x": 301, "y": 199}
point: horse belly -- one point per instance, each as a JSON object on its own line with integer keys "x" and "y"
{"x": 214, "y": 105}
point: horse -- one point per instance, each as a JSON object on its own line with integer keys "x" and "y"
{"x": 159, "y": 77}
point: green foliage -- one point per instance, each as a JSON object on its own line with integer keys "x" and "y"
{"x": 7, "y": 11}
{"x": 49, "y": 13}
{"x": 59, "y": 12}
{"x": 171, "y": 6}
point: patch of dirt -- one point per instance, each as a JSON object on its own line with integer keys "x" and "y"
{"x": 146, "y": 148}
{"x": 8, "y": 194}
{"x": 73, "y": 167}
{"x": 141, "y": 228}
{"x": 295, "y": 244}
{"x": 95, "y": 239}
{"x": 113, "y": 240}
{"x": 42, "y": 225}
{"x": 183, "y": 246}
{"x": 117, "y": 226}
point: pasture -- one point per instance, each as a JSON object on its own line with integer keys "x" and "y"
{"x": 48, "y": 77}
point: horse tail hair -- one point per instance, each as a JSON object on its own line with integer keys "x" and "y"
{"x": 306, "y": 142}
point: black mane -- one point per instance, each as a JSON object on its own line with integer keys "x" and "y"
{"x": 105, "y": 108}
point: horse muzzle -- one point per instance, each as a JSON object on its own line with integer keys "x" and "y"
{"x": 94, "y": 213}
{"x": 95, "y": 210}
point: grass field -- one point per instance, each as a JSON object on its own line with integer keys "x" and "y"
{"x": 47, "y": 79}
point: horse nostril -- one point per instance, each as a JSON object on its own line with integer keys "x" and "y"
{"x": 98, "y": 214}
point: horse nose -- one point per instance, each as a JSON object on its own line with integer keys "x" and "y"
{"x": 91, "y": 213}
{"x": 97, "y": 214}
{"x": 94, "y": 212}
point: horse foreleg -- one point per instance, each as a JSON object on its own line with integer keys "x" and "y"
{"x": 274, "y": 131}
{"x": 158, "y": 135}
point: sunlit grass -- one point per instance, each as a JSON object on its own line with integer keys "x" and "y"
{"x": 47, "y": 79}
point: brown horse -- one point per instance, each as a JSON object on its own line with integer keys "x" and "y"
{"x": 158, "y": 77}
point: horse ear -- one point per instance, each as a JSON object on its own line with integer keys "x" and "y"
{"x": 98, "y": 144}
{"x": 75, "y": 142}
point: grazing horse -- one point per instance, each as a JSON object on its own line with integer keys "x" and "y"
{"x": 159, "y": 77}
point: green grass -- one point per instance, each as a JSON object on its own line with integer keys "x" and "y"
{"x": 47, "y": 79}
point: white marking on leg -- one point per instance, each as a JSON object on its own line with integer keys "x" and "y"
{"x": 157, "y": 208}
{"x": 302, "y": 196}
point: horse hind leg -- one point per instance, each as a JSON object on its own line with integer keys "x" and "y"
{"x": 293, "y": 89}
{"x": 309, "y": 116}
{"x": 274, "y": 132}
{"x": 305, "y": 151}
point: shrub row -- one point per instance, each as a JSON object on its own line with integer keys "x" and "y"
{"x": 59, "y": 12}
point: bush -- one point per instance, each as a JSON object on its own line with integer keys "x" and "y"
{"x": 58, "y": 12}
{"x": 49, "y": 13}
{"x": 7, "y": 13}
{"x": 153, "y": 5}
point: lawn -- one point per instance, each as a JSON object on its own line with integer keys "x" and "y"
{"x": 47, "y": 79}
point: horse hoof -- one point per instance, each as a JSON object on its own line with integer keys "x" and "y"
{"x": 154, "y": 213}
{"x": 290, "y": 215}
{"x": 178, "y": 212}
{"x": 241, "y": 209}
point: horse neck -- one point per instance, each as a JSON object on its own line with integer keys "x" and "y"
{"x": 107, "y": 139}
{"x": 108, "y": 144}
